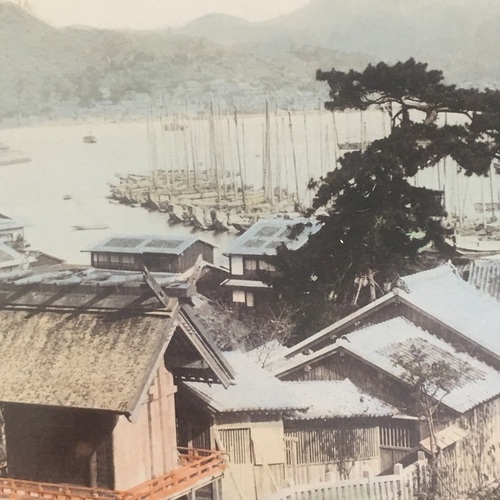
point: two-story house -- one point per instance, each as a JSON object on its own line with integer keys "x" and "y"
{"x": 249, "y": 255}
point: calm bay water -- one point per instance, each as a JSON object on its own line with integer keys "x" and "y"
{"x": 63, "y": 165}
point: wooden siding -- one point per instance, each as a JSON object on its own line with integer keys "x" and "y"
{"x": 147, "y": 447}
{"x": 256, "y": 467}
{"x": 155, "y": 262}
{"x": 327, "y": 445}
{"x": 473, "y": 462}
{"x": 341, "y": 365}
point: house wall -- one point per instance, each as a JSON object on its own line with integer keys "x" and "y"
{"x": 341, "y": 365}
{"x": 155, "y": 262}
{"x": 59, "y": 445}
{"x": 147, "y": 447}
{"x": 474, "y": 461}
{"x": 12, "y": 234}
{"x": 331, "y": 450}
{"x": 256, "y": 457}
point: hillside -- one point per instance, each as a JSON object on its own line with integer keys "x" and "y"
{"x": 458, "y": 36}
{"x": 68, "y": 72}
{"x": 63, "y": 72}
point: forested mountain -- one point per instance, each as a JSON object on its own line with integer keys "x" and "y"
{"x": 52, "y": 71}
{"x": 55, "y": 72}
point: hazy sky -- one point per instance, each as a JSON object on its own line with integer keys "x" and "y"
{"x": 145, "y": 14}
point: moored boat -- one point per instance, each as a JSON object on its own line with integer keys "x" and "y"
{"x": 89, "y": 139}
{"x": 10, "y": 157}
{"x": 89, "y": 227}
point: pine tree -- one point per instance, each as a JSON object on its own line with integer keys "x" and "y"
{"x": 375, "y": 220}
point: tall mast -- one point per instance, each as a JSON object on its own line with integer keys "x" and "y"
{"x": 240, "y": 165}
{"x": 231, "y": 157}
{"x": 335, "y": 141}
{"x": 267, "y": 153}
{"x": 213, "y": 152}
{"x": 222, "y": 155}
{"x": 308, "y": 166}
{"x": 492, "y": 196}
{"x": 278, "y": 163}
{"x": 293, "y": 157}
{"x": 285, "y": 161}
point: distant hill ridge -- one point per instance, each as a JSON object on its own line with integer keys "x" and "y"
{"x": 54, "y": 71}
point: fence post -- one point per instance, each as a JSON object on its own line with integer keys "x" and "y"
{"x": 398, "y": 469}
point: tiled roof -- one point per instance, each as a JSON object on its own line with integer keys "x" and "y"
{"x": 236, "y": 283}
{"x": 485, "y": 275}
{"x": 442, "y": 293}
{"x": 337, "y": 399}
{"x": 266, "y": 235}
{"x": 254, "y": 390}
{"x": 444, "y": 438}
{"x": 94, "y": 279}
{"x": 77, "y": 360}
{"x": 265, "y": 354}
{"x": 7, "y": 224}
{"x": 380, "y": 344}
{"x": 140, "y": 244}
{"x": 439, "y": 293}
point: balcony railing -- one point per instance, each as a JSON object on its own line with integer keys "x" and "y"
{"x": 196, "y": 468}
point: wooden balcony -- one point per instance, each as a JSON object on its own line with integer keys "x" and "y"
{"x": 196, "y": 469}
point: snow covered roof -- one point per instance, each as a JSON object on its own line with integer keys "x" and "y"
{"x": 254, "y": 390}
{"x": 265, "y": 354}
{"x": 441, "y": 293}
{"x": 337, "y": 399}
{"x": 266, "y": 235}
{"x": 444, "y": 438}
{"x": 141, "y": 244}
{"x": 379, "y": 345}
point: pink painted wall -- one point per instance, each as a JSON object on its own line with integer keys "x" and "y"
{"x": 146, "y": 448}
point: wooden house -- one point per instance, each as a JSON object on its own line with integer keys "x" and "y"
{"x": 280, "y": 433}
{"x": 484, "y": 274}
{"x": 448, "y": 322}
{"x": 171, "y": 254}
{"x": 249, "y": 255}
{"x": 10, "y": 259}
{"x": 87, "y": 387}
{"x": 12, "y": 232}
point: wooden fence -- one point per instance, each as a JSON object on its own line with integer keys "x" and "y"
{"x": 402, "y": 485}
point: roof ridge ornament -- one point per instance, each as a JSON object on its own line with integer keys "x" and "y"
{"x": 168, "y": 302}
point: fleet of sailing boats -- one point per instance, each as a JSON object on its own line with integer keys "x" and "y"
{"x": 199, "y": 171}
{"x": 207, "y": 187}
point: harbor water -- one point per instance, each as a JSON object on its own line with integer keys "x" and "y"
{"x": 67, "y": 181}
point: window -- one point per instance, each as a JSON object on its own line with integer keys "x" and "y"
{"x": 395, "y": 437}
{"x": 114, "y": 260}
{"x": 250, "y": 267}
{"x": 237, "y": 443}
{"x": 101, "y": 260}
{"x": 266, "y": 266}
{"x": 128, "y": 262}
{"x": 239, "y": 296}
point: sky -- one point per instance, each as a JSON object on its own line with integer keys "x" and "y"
{"x": 151, "y": 14}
